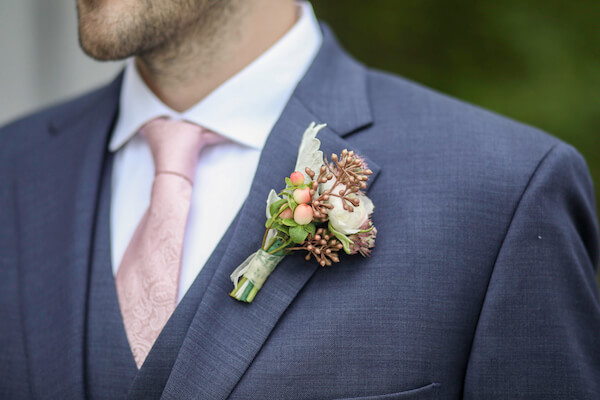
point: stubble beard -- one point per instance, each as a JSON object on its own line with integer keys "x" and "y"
{"x": 143, "y": 28}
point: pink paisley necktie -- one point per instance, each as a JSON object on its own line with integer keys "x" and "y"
{"x": 148, "y": 277}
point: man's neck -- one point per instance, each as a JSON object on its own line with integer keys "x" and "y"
{"x": 190, "y": 66}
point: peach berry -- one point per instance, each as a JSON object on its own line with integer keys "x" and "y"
{"x": 302, "y": 196}
{"x": 297, "y": 178}
{"x": 303, "y": 214}
{"x": 287, "y": 213}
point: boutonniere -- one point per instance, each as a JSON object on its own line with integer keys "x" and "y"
{"x": 322, "y": 211}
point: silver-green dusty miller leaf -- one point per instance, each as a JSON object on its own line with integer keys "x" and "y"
{"x": 309, "y": 154}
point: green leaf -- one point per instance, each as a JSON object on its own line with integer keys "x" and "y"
{"x": 310, "y": 228}
{"x": 342, "y": 238}
{"x": 288, "y": 182}
{"x": 269, "y": 221}
{"x": 282, "y": 228}
{"x": 276, "y": 224}
{"x": 292, "y": 203}
{"x": 289, "y": 222}
{"x": 298, "y": 234}
{"x": 274, "y": 208}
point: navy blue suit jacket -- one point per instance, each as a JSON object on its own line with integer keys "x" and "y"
{"x": 481, "y": 286}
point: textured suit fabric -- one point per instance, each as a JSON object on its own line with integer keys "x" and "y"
{"x": 109, "y": 365}
{"x": 481, "y": 284}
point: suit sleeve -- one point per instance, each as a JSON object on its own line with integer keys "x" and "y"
{"x": 538, "y": 334}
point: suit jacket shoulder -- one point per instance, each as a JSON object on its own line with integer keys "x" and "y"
{"x": 448, "y": 146}
{"x": 36, "y": 128}
{"x": 426, "y": 118}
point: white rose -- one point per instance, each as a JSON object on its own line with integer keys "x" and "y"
{"x": 349, "y": 222}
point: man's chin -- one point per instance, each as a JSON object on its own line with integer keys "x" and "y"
{"x": 103, "y": 32}
{"x": 103, "y": 50}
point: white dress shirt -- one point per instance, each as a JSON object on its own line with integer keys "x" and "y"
{"x": 243, "y": 109}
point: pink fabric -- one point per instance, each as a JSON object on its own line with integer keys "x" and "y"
{"x": 148, "y": 277}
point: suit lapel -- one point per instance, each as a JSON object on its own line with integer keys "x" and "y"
{"x": 225, "y": 335}
{"x": 57, "y": 196}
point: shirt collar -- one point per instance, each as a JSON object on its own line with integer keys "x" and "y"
{"x": 245, "y": 108}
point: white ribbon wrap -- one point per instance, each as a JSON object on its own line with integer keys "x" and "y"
{"x": 256, "y": 268}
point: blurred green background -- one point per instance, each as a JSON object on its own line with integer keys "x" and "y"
{"x": 535, "y": 61}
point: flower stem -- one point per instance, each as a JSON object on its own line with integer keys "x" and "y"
{"x": 284, "y": 245}
{"x": 272, "y": 242}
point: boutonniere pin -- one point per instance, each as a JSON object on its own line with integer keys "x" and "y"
{"x": 321, "y": 211}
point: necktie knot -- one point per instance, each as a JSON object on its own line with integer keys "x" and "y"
{"x": 175, "y": 145}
